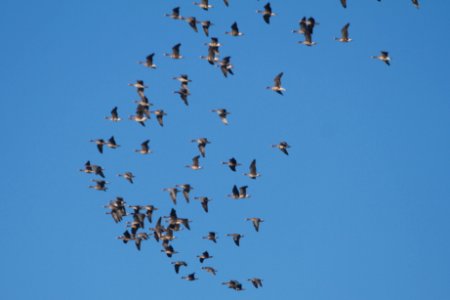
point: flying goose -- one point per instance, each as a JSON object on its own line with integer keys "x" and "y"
{"x": 267, "y": 13}
{"x": 234, "y": 284}
{"x": 277, "y": 85}
{"x": 145, "y": 149}
{"x": 93, "y": 169}
{"x": 128, "y": 176}
{"x": 183, "y": 78}
{"x": 344, "y": 34}
{"x": 99, "y": 143}
{"x": 201, "y": 143}
{"x": 159, "y": 113}
{"x": 186, "y": 190}
{"x": 111, "y": 143}
{"x": 252, "y": 170}
{"x": 203, "y": 256}
{"x": 140, "y": 86}
{"x": 149, "y": 209}
{"x": 172, "y": 193}
{"x": 283, "y": 146}
{"x": 240, "y": 193}
{"x": 178, "y": 264}
{"x": 190, "y": 277}
{"x": 100, "y": 185}
{"x": 114, "y": 115}
{"x": 236, "y": 237}
{"x": 192, "y": 21}
{"x": 169, "y": 250}
{"x": 211, "y": 237}
{"x": 175, "y": 52}
{"x": 232, "y": 164}
{"x": 175, "y": 14}
{"x": 226, "y": 3}
{"x": 205, "y": 26}
{"x": 344, "y": 3}
{"x": 149, "y": 61}
{"x": 226, "y": 66}
{"x": 384, "y": 56}
{"x": 234, "y": 30}
{"x": 126, "y": 237}
{"x": 256, "y": 222}
{"x": 141, "y": 115}
{"x": 203, "y": 5}
{"x": 184, "y": 93}
{"x": 204, "y": 201}
{"x": 222, "y": 113}
{"x": 308, "y": 39}
{"x": 212, "y": 57}
{"x": 210, "y": 270}
{"x": 195, "y": 163}
{"x": 257, "y": 282}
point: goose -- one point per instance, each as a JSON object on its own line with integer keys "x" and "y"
{"x": 210, "y": 270}
{"x": 175, "y": 14}
{"x": 169, "y": 251}
{"x": 173, "y": 191}
{"x": 211, "y": 237}
{"x": 114, "y": 115}
{"x": 283, "y": 146}
{"x": 149, "y": 209}
{"x": 184, "y": 93}
{"x": 267, "y": 13}
{"x": 226, "y": 66}
{"x": 195, "y": 163}
{"x": 126, "y": 237}
{"x": 236, "y": 237}
{"x": 277, "y": 85}
{"x": 144, "y": 104}
{"x": 205, "y": 26}
{"x": 415, "y": 3}
{"x": 186, "y": 190}
{"x": 192, "y": 21}
{"x": 145, "y": 149}
{"x": 214, "y": 43}
{"x": 140, "y": 115}
{"x": 384, "y": 57}
{"x": 203, "y": 5}
{"x": 111, "y": 143}
{"x": 344, "y": 34}
{"x": 138, "y": 241}
{"x": 178, "y": 264}
{"x": 203, "y": 256}
{"x": 140, "y": 86}
{"x": 100, "y": 185}
{"x": 204, "y": 201}
{"x": 234, "y": 30}
{"x": 93, "y": 169}
{"x": 240, "y": 193}
{"x": 183, "y": 78}
{"x": 252, "y": 170}
{"x": 99, "y": 143}
{"x": 175, "y": 52}
{"x": 308, "y": 39}
{"x": 190, "y": 277}
{"x": 128, "y": 176}
{"x": 211, "y": 58}
{"x": 234, "y": 284}
{"x": 222, "y": 113}
{"x": 201, "y": 142}
{"x": 344, "y": 3}
{"x": 306, "y": 25}
{"x": 257, "y": 282}
{"x": 159, "y": 113}
{"x": 232, "y": 164}
{"x": 148, "y": 61}
{"x": 256, "y": 222}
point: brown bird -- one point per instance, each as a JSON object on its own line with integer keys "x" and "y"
{"x": 183, "y": 78}
{"x": 256, "y": 222}
{"x": 267, "y": 13}
{"x": 100, "y": 185}
{"x": 190, "y": 277}
{"x": 210, "y": 270}
{"x": 277, "y": 85}
{"x": 384, "y": 57}
{"x": 149, "y": 61}
{"x": 93, "y": 169}
{"x": 175, "y": 14}
{"x": 145, "y": 149}
{"x": 205, "y": 26}
{"x": 201, "y": 143}
{"x": 99, "y": 143}
{"x": 114, "y": 115}
{"x": 222, "y": 113}
{"x": 159, "y": 116}
{"x": 283, "y": 146}
{"x": 344, "y": 34}
{"x": 128, "y": 176}
{"x": 186, "y": 190}
{"x": 140, "y": 86}
{"x": 184, "y": 93}
{"x": 204, "y": 201}
{"x": 226, "y": 67}
{"x": 234, "y": 284}
{"x": 252, "y": 170}
{"x": 175, "y": 52}
{"x": 172, "y": 193}
{"x": 211, "y": 236}
{"x": 257, "y": 282}
{"x": 236, "y": 237}
{"x": 232, "y": 164}
{"x": 234, "y": 30}
{"x": 240, "y": 193}
{"x": 178, "y": 264}
{"x": 203, "y": 5}
{"x": 203, "y": 256}
{"x": 192, "y": 21}
{"x": 111, "y": 143}
{"x": 195, "y": 163}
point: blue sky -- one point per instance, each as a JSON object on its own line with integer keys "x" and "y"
{"x": 358, "y": 210}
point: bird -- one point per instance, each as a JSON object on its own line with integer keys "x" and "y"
{"x": 234, "y": 30}
{"x": 201, "y": 144}
{"x": 384, "y": 57}
{"x": 210, "y": 270}
{"x": 252, "y": 170}
{"x": 141, "y": 115}
{"x": 283, "y": 146}
{"x": 149, "y": 61}
{"x": 222, "y": 113}
{"x": 344, "y": 3}
{"x": 178, "y": 264}
{"x": 205, "y": 26}
{"x": 267, "y": 13}
{"x": 236, "y": 237}
{"x": 169, "y": 250}
{"x": 234, "y": 284}
{"x": 204, "y": 201}
{"x": 173, "y": 191}
{"x": 344, "y": 34}
{"x": 126, "y": 237}
{"x": 183, "y": 78}
{"x": 415, "y": 3}
{"x": 256, "y": 222}
{"x": 93, "y": 169}
{"x": 232, "y": 164}
{"x": 306, "y": 25}
{"x": 190, "y": 277}
{"x": 128, "y": 176}
{"x": 203, "y": 256}
{"x": 226, "y": 3}
{"x": 184, "y": 93}
{"x": 149, "y": 209}
{"x": 212, "y": 236}
{"x": 175, "y": 14}
{"x": 257, "y": 282}
{"x": 143, "y": 105}
{"x": 226, "y": 66}
{"x": 100, "y": 185}
{"x": 211, "y": 58}
{"x": 277, "y": 85}
{"x": 203, "y": 5}
{"x": 192, "y": 21}
{"x": 186, "y": 190}
{"x": 114, "y": 115}
{"x": 175, "y": 52}
{"x": 145, "y": 149}
{"x": 195, "y": 163}
{"x": 308, "y": 39}
{"x": 240, "y": 193}
{"x": 111, "y": 143}
{"x": 99, "y": 143}
{"x": 159, "y": 113}
{"x": 140, "y": 86}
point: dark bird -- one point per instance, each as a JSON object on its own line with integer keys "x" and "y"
{"x": 236, "y": 237}
{"x": 126, "y": 237}
{"x": 159, "y": 116}
{"x": 128, "y": 176}
{"x": 169, "y": 250}
{"x": 252, "y": 170}
{"x": 192, "y": 21}
{"x": 190, "y": 277}
{"x": 222, "y": 113}
{"x": 195, "y": 163}
{"x": 415, "y": 3}
{"x": 211, "y": 58}
{"x": 178, "y": 264}
{"x": 112, "y": 143}
{"x": 283, "y": 146}
{"x": 203, "y": 5}
{"x": 175, "y": 52}
{"x": 183, "y": 78}
{"x": 256, "y": 222}
{"x": 99, "y": 143}
{"x": 186, "y": 190}
{"x": 204, "y": 201}
{"x": 384, "y": 57}
{"x": 203, "y": 256}
{"x": 344, "y": 34}
{"x": 140, "y": 86}
{"x": 267, "y": 13}
{"x": 211, "y": 237}
{"x": 145, "y": 149}
{"x": 257, "y": 282}
{"x": 114, "y": 115}
{"x": 205, "y": 26}
{"x": 277, "y": 85}
{"x": 210, "y": 270}
{"x": 232, "y": 164}
{"x": 172, "y": 193}
{"x": 175, "y": 14}
{"x": 93, "y": 169}
{"x": 149, "y": 61}
{"x": 184, "y": 93}
{"x": 225, "y": 66}
{"x": 201, "y": 144}
{"x": 308, "y": 39}
{"x": 240, "y": 193}
{"x": 100, "y": 185}
{"x": 149, "y": 209}
{"x": 234, "y": 284}
{"x": 234, "y": 30}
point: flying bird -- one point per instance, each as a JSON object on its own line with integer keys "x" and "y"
{"x": 204, "y": 201}
{"x": 415, "y": 3}
{"x": 159, "y": 113}
{"x": 232, "y": 164}
{"x": 256, "y": 222}
{"x": 192, "y": 21}
{"x": 267, "y": 13}
{"x": 344, "y": 3}
{"x": 203, "y": 256}
{"x": 178, "y": 264}
{"x": 195, "y": 163}
{"x": 226, "y": 66}
{"x": 384, "y": 57}
{"x": 257, "y": 282}
{"x": 149, "y": 61}
{"x": 205, "y": 26}
{"x": 114, "y": 115}
{"x": 212, "y": 236}
{"x": 186, "y": 190}
{"x": 252, "y": 170}
{"x": 190, "y": 277}
{"x": 222, "y": 113}
{"x": 145, "y": 149}
{"x": 100, "y": 185}
{"x": 175, "y": 52}
{"x": 234, "y": 30}
{"x": 344, "y": 34}
{"x": 172, "y": 193}
{"x": 240, "y": 193}
{"x": 210, "y": 270}
{"x": 99, "y": 143}
{"x": 203, "y": 5}
{"x": 283, "y": 146}
{"x": 128, "y": 176}
{"x": 111, "y": 143}
{"x": 277, "y": 85}
{"x": 201, "y": 143}
{"x": 175, "y": 14}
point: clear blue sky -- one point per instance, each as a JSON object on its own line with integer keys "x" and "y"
{"x": 359, "y": 210}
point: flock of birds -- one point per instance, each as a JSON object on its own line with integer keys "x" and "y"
{"x": 165, "y": 227}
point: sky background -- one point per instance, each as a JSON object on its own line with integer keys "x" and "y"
{"x": 358, "y": 210}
